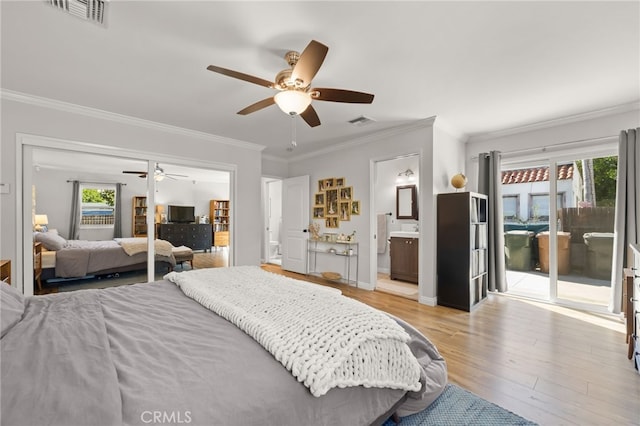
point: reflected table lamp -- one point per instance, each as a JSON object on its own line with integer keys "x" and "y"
{"x": 41, "y": 222}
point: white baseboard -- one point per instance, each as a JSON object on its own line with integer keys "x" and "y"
{"x": 430, "y": 301}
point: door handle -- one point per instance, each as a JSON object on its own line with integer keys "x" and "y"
{"x": 305, "y": 230}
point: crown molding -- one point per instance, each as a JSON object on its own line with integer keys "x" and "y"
{"x": 364, "y": 139}
{"x": 446, "y": 127}
{"x": 274, "y": 158}
{"x": 26, "y": 98}
{"x": 605, "y": 112}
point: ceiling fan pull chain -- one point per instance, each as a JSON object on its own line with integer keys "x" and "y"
{"x": 293, "y": 131}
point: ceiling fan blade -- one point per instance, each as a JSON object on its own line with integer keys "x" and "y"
{"x": 310, "y": 61}
{"x": 246, "y": 77}
{"x": 133, "y": 172}
{"x": 257, "y": 106}
{"x": 310, "y": 116}
{"x": 174, "y": 174}
{"x": 340, "y": 95}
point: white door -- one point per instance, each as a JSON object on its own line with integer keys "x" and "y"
{"x": 295, "y": 221}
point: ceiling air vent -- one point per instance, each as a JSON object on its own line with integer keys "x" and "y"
{"x": 361, "y": 121}
{"x": 89, "y": 10}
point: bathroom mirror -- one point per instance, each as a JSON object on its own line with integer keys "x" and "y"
{"x": 406, "y": 202}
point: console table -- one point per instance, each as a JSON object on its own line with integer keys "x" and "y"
{"x": 196, "y": 236}
{"x": 345, "y": 249}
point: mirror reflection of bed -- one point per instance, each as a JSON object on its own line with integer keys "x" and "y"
{"x": 50, "y": 284}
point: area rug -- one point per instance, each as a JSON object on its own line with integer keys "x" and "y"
{"x": 456, "y": 407}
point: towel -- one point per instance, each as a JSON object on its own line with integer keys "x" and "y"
{"x": 382, "y": 233}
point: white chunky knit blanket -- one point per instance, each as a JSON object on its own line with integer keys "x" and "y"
{"x": 324, "y": 339}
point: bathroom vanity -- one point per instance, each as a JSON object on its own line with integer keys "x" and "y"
{"x": 404, "y": 256}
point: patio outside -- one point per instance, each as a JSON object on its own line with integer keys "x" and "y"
{"x": 584, "y": 238}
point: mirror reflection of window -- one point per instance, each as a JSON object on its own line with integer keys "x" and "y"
{"x": 98, "y": 205}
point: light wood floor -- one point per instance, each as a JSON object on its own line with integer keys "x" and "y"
{"x": 552, "y": 365}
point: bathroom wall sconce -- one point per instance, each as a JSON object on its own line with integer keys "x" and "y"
{"x": 406, "y": 175}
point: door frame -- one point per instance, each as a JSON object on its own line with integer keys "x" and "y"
{"x": 373, "y": 217}
{"x": 593, "y": 148}
{"x": 266, "y": 181}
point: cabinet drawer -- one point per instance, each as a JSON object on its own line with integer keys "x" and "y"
{"x": 221, "y": 238}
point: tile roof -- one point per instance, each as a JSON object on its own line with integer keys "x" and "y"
{"x": 536, "y": 174}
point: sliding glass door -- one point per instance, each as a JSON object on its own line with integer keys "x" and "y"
{"x": 585, "y": 229}
{"x": 526, "y": 204}
{"x": 558, "y": 217}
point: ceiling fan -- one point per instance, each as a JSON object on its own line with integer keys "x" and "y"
{"x": 294, "y": 85}
{"x": 158, "y": 174}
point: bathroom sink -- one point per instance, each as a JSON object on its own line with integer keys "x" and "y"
{"x": 404, "y": 234}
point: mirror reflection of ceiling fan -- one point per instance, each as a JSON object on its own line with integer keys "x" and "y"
{"x": 158, "y": 174}
{"x": 294, "y": 85}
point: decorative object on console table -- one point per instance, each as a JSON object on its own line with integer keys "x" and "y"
{"x": 196, "y": 236}
{"x": 5, "y": 271}
{"x": 139, "y": 222}
{"x": 462, "y": 249}
{"x": 219, "y": 211}
{"x": 37, "y": 264}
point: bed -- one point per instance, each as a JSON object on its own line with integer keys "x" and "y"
{"x": 80, "y": 258}
{"x": 150, "y": 353}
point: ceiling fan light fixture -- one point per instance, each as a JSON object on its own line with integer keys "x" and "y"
{"x": 293, "y": 102}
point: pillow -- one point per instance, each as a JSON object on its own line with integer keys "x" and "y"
{"x": 11, "y": 307}
{"x": 51, "y": 240}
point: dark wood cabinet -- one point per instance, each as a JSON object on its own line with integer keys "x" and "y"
{"x": 462, "y": 249}
{"x": 404, "y": 259}
{"x": 5, "y": 271}
{"x": 196, "y": 236}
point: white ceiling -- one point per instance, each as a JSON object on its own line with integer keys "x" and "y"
{"x": 81, "y": 165}
{"x": 480, "y": 66}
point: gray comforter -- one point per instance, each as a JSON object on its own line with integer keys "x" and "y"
{"x": 80, "y": 258}
{"x": 134, "y": 354}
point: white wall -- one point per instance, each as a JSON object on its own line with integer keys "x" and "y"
{"x": 60, "y": 121}
{"x": 187, "y": 193}
{"x": 354, "y": 162}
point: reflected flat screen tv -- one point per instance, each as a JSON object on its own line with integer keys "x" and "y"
{"x": 181, "y": 214}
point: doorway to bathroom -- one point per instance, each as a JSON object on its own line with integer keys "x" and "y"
{"x": 272, "y": 239}
{"x": 389, "y": 175}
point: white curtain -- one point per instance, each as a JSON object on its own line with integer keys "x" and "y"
{"x": 626, "y": 229}
{"x": 490, "y": 184}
